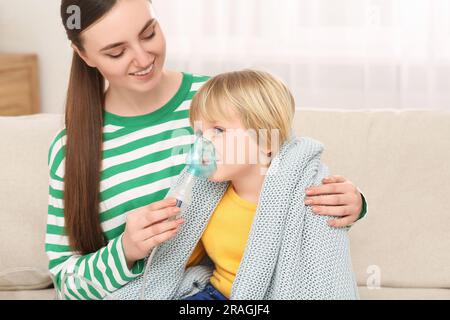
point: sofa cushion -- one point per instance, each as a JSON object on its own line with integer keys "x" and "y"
{"x": 401, "y": 161}
{"x": 24, "y": 143}
{"x": 403, "y": 294}
{"x": 45, "y": 294}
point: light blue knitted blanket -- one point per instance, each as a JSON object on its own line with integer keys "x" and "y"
{"x": 291, "y": 252}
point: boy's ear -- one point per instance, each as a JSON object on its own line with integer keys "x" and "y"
{"x": 83, "y": 56}
{"x": 265, "y": 158}
{"x": 267, "y": 151}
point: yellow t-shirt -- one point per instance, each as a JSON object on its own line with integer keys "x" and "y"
{"x": 225, "y": 239}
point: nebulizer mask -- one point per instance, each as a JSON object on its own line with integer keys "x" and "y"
{"x": 201, "y": 162}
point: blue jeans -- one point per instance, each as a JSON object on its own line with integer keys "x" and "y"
{"x": 209, "y": 293}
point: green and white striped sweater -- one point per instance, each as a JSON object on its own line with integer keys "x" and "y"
{"x": 141, "y": 156}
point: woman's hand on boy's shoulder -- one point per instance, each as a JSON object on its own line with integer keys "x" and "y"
{"x": 336, "y": 197}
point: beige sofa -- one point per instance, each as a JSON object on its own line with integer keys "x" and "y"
{"x": 401, "y": 160}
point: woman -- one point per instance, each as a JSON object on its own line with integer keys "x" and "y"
{"x": 112, "y": 164}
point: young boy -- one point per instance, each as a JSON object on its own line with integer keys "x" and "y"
{"x": 247, "y": 232}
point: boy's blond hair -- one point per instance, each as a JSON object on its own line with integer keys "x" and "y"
{"x": 261, "y": 100}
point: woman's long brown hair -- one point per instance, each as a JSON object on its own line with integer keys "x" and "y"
{"x": 84, "y": 132}
{"x": 84, "y": 129}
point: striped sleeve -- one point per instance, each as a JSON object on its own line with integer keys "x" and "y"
{"x": 85, "y": 277}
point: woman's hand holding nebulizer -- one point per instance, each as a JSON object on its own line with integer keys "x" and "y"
{"x": 149, "y": 226}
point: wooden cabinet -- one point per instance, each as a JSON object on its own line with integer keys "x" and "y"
{"x": 19, "y": 84}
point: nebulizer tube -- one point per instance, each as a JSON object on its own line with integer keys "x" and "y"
{"x": 201, "y": 163}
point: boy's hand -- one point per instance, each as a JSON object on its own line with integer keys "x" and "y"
{"x": 336, "y": 197}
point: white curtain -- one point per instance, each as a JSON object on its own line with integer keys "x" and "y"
{"x": 332, "y": 53}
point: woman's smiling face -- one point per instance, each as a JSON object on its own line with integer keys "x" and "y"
{"x": 127, "y": 46}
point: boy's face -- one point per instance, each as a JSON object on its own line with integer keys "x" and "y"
{"x": 237, "y": 150}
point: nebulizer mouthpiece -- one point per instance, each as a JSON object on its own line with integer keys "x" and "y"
{"x": 201, "y": 162}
